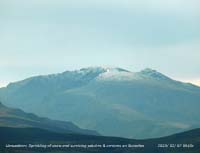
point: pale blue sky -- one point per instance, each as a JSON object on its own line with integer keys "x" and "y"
{"x": 50, "y": 36}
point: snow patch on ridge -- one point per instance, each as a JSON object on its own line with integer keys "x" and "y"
{"x": 116, "y": 74}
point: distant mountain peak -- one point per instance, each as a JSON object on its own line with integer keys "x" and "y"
{"x": 122, "y": 99}
{"x": 148, "y": 72}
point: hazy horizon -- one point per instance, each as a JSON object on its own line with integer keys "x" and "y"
{"x": 44, "y": 37}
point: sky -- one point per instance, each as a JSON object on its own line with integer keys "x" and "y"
{"x": 51, "y": 36}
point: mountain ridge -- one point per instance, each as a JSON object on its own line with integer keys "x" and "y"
{"x": 10, "y": 136}
{"x": 147, "y": 72}
{"x": 102, "y": 99}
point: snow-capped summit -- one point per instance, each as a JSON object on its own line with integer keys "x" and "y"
{"x": 102, "y": 69}
{"x": 99, "y": 72}
{"x": 116, "y": 74}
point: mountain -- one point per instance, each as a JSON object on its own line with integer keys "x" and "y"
{"x": 10, "y": 117}
{"x": 112, "y": 101}
{"x": 186, "y": 142}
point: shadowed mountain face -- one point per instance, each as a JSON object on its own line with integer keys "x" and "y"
{"x": 113, "y": 101}
{"x": 25, "y": 136}
{"x": 17, "y": 118}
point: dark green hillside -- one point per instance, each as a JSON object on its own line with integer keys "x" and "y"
{"x": 10, "y": 117}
